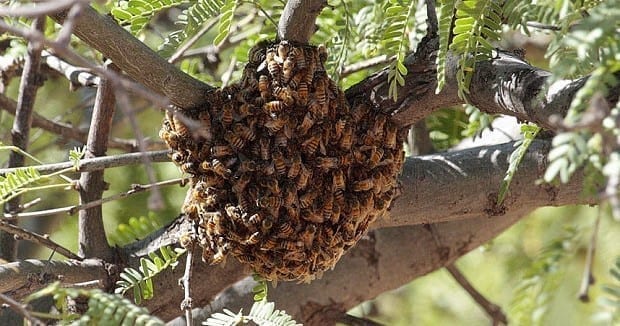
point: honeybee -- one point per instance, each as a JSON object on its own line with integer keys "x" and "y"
{"x": 244, "y": 203}
{"x": 268, "y": 168}
{"x": 293, "y": 171}
{"x": 256, "y": 55}
{"x": 247, "y": 166}
{"x": 253, "y": 239}
{"x": 290, "y": 245}
{"x": 390, "y": 136}
{"x": 265, "y": 154}
{"x": 284, "y": 94}
{"x": 276, "y": 124}
{"x": 307, "y": 199}
{"x": 220, "y": 255}
{"x": 234, "y": 140}
{"x": 269, "y": 243}
{"x": 363, "y": 185}
{"x": 214, "y": 223}
{"x": 292, "y": 212}
{"x": 221, "y": 151}
{"x": 287, "y": 69}
{"x": 278, "y": 161}
{"x": 273, "y": 107}
{"x": 254, "y": 222}
{"x": 302, "y": 92}
{"x": 245, "y": 133}
{"x": 226, "y": 116}
{"x": 272, "y": 202}
{"x": 338, "y": 128}
{"x": 310, "y": 145}
{"x": 272, "y": 66}
{"x": 322, "y": 50}
{"x": 246, "y": 259}
{"x": 354, "y": 207}
{"x": 328, "y": 206}
{"x": 296, "y": 80}
{"x": 347, "y": 138}
{"x": 376, "y": 154}
{"x": 263, "y": 85}
{"x": 280, "y": 140}
{"x": 338, "y": 180}
{"x": 178, "y": 157}
{"x": 297, "y": 54}
{"x": 312, "y": 215}
{"x": 380, "y": 204}
{"x": 335, "y": 216}
{"x": 284, "y": 230}
{"x": 328, "y": 163}
{"x": 302, "y": 179}
{"x": 240, "y": 184}
{"x": 245, "y": 110}
{"x": 216, "y": 166}
{"x": 187, "y": 240}
{"x": 299, "y": 256}
{"x": 271, "y": 184}
{"x": 283, "y": 49}
{"x": 307, "y": 235}
{"x": 266, "y": 224}
{"x": 306, "y": 123}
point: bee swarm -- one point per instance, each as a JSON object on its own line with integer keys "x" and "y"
{"x": 285, "y": 175}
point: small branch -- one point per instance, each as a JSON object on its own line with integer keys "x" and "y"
{"x": 187, "y": 304}
{"x": 20, "y": 309}
{"x": 99, "y": 163}
{"x": 431, "y": 16}
{"x": 297, "y": 22}
{"x": 365, "y": 64}
{"x": 76, "y": 208}
{"x": 20, "y": 133}
{"x": 543, "y": 26}
{"x": 38, "y": 239}
{"x": 181, "y": 50}
{"x": 588, "y": 279}
{"x": 64, "y": 130}
{"x": 91, "y": 233}
{"x": 493, "y": 310}
{"x": 36, "y": 10}
{"x": 75, "y": 75}
{"x": 356, "y": 321}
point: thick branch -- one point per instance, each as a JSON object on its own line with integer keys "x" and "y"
{"x": 445, "y": 178}
{"x": 91, "y": 234}
{"x": 137, "y": 60}
{"x": 20, "y": 133}
{"x": 297, "y": 22}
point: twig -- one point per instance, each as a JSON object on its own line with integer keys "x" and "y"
{"x": 181, "y": 51}
{"x": 63, "y": 129}
{"x": 588, "y": 279}
{"x": 91, "y": 233}
{"x": 94, "y": 284}
{"x": 186, "y": 305}
{"x": 39, "y": 9}
{"x": 356, "y": 321}
{"x": 38, "y": 239}
{"x": 75, "y": 75}
{"x": 98, "y": 163}
{"x": 431, "y": 16}
{"x": 64, "y": 36}
{"x": 543, "y": 26}
{"x": 365, "y": 64}
{"x": 75, "y": 208}
{"x": 493, "y": 310}
{"x": 297, "y": 22}
{"x": 20, "y": 309}
{"x": 20, "y": 133}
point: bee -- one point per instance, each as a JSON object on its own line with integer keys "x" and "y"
{"x": 276, "y": 124}
{"x": 256, "y": 55}
{"x": 266, "y": 224}
{"x": 191, "y": 209}
{"x": 263, "y": 86}
{"x": 335, "y": 216}
{"x": 187, "y": 240}
{"x": 299, "y": 256}
{"x": 322, "y": 53}
{"x": 338, "y": 180}
{"x": 363, "y": 185}
{"x": 390, "y": 137}
{"x": 293, "y": 171}
{"x": 285, "y": 95}
{"x": 284, "y": 230}
{"x": 247, "y": 166}
{"x": 310, "y": 145}
{"x": 292, "y": 212}
{"x": 220, "y": 256}
{"x": 253, "y": 239}
{"x": 226, "y": 116}
{"x": 307, "y": 235}
{"x": 328, "y": 206}
{"x": 245, "y": 133}
{"x": 234, "y": 214}
{"x": 214, "y": 223}
{"x": 283, "y": 49}
{"x": 244, "y": 203}
{"x": 287, "y": 69}
{"x": 268, "y": 168}
{"x": 296, "y": 80}
{"x": 280, "y": 139}
{"x": 216, "y": 166}
{"x": 189, "y": 167}
{"x": 307, "y": 199}
{"x": 380, "y": 204}
{"x": 297, "y": 54}
{"x": 272, "y": 202}
{"x": 235, "y": 141}
{"x": 312, "y": 216}
{"x": 354, "y": 207}
{"x": 246, "y": 259}
{"x": 245, "y": 110}
{"x": 271, "y": 184}
{"x": 302, "y": 92}
{"x": 265, "y": 154}
{"x": 368, "y": 202}
{"x": 272, "y": 66}
{"x": 221, "y": 151}
{"x": 328, "y": 163}
{"x": 273, "y": 107}
{"x": 290, "y": 245}
{"x": 377, "y": 129}
{"x": 278, "y": 161}
{"x": 302, "y": 179}
{"x": 347, "y": 138}
{"x": 269, "y": 244}
{"x": 376, "y": 154}
{"x": 306, "y": 123}
{"x": 242, "y": 183}
{"x": 254, "y": 222}
{"x": 339, "y": 128}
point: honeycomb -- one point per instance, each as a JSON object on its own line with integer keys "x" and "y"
{"x": 286, "y": 176}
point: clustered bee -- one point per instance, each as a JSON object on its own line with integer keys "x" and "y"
{"x": 286, "y": 175}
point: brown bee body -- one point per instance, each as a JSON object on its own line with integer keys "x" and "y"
{"x": 307, "y": 199}
{"x": 276, "y": 124}
{"x": 390, "y": 137}
{"x": 307, "y": 235}
{"x": 290, "y": 245}
{"x": 222, "y": 151}
{"x": 306, "y": 123}
{"x": 265, "y": 153}
{"x": 302, "y": 179}
{"x": 280, "y": 164}
{"x": 271, "y": 184}
{"x": 295, "y": 167}
{"x": 242, "y": 183}
{"x": 285, "y": 95}
{"x": 273, "y": 107}
{"x": 347, "y": 138}
{"x": 287, "y": 69}
{"x": 310, "y": 145}
{"x": 284, "y": 230}
{"x": 335, "y": 216}
{"x": 226, "y": 116}
{"x": 216, "y": 166}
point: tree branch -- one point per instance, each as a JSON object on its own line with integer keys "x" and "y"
{"x": 297, "y": 22}
{"x": 20, "y": 133}
{"x": 91, "y": 234}
{"x": 137, "y": 60}
{"x": 36, "y": 238}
